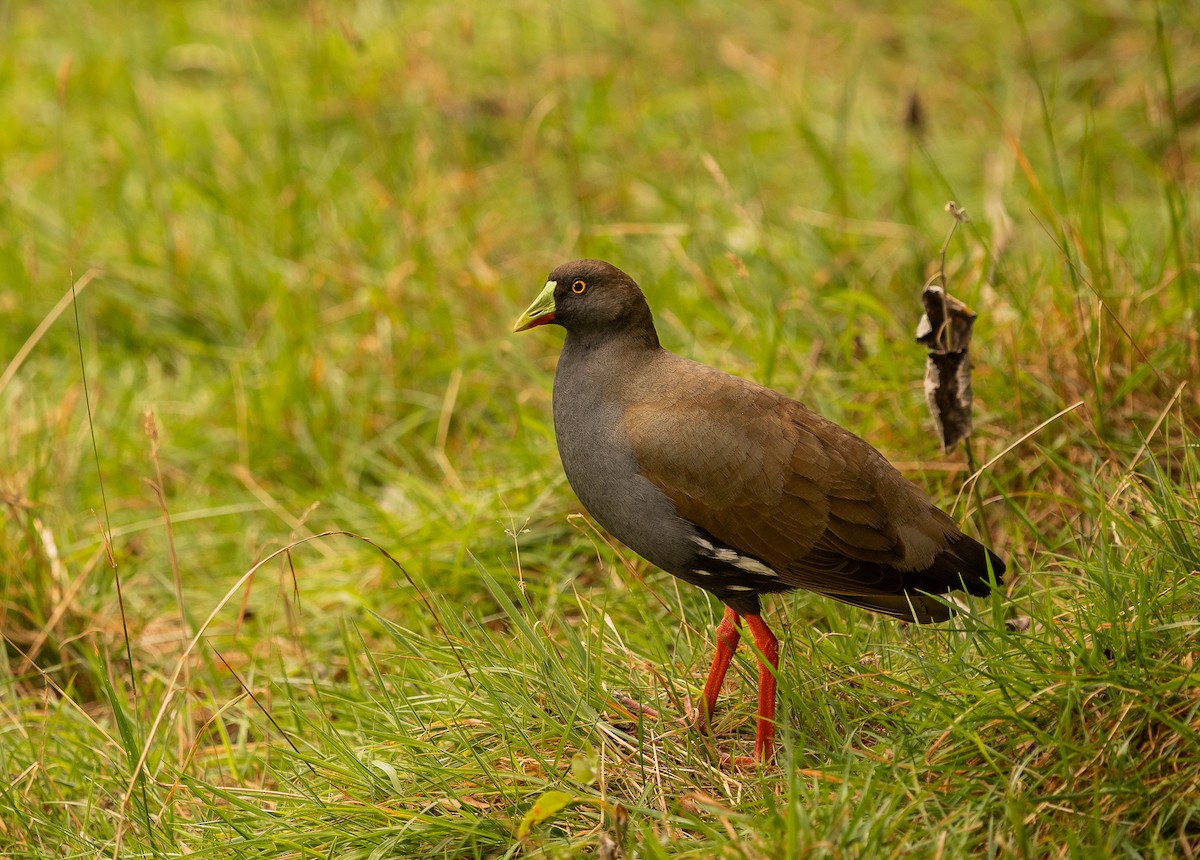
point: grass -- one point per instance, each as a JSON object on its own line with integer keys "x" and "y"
{"x": 334, "y": 598}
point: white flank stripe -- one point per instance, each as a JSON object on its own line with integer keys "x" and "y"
{"x": 753, "y": 565}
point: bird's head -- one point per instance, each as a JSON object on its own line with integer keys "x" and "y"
{"x": 590, "y": 297}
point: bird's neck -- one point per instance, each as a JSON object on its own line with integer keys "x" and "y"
{"x": 633, "y": 342}
{"x": 603, "y": 364}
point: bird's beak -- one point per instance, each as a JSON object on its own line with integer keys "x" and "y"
{"x": 541, "y": 311}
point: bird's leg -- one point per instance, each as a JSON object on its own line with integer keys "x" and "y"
{"x": 727, "y": 642}
{"x": 768, "y": 650}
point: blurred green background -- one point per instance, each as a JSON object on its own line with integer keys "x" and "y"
{"x": 299, "y": 235}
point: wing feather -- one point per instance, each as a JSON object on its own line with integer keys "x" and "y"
{"x": 765, "y": 474}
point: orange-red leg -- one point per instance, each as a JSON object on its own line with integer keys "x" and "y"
{"x": 768, "y": 653}
{"x": 768, "y": 649}
{"x": 727, "y": 643}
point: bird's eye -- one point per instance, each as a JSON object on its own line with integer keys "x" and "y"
{"x": 578, "y": 287}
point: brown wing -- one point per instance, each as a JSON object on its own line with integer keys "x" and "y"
{"x": 773, "y": 479}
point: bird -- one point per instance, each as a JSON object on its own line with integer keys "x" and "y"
{"x": 735, "y": 487}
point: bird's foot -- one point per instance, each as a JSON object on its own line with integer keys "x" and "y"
{"x": 739, "y": 762}
{"x": 695, "y": 717}
{"x": 634, "y": 707}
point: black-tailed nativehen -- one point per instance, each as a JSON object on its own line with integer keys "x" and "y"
{"x": 734, "y": 487}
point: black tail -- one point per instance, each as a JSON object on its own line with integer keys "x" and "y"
{"x": 969, "y": 560}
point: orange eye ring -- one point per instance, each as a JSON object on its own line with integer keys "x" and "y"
{"x": 578, "y": 287}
